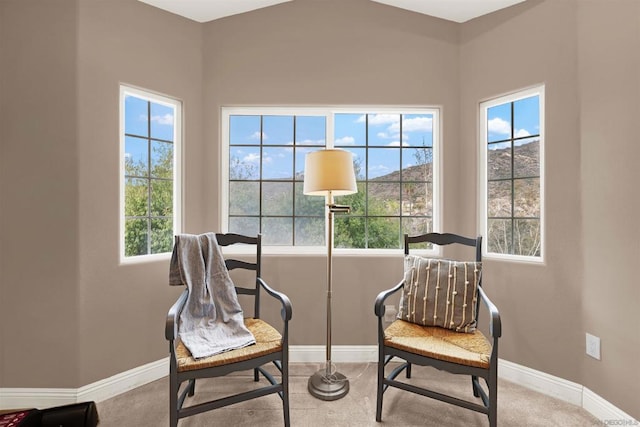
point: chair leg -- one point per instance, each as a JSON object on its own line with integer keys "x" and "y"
{"x": 173, "y": 401}
{"x": 192, "y": 387}
{"x": 380, "y": 390}
{"x": 285, "y": 394}
{"x": 493, "y": 398}
{"x": 408, "y": 370}
{"x": 474, "y": 381}
{"x": 256, "y": 375}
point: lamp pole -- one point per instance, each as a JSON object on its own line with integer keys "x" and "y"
{"x": 326, "y": 384}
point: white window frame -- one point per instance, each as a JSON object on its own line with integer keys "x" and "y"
{"x": 154, "y": 97}
{"x": 329, "y": 113}
{"x": 484, "y": 106}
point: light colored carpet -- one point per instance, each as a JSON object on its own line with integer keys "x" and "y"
{"x": 517, "y": 406}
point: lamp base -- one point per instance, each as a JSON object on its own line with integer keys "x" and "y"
{"x": 325, "y": 388}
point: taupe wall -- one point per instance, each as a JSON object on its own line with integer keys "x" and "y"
{"x": 39, "y": 265}
{"x": 60, "y": 69}
{"x": 609, "y": 83}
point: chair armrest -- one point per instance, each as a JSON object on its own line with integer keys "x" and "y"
{"x": 171, "y": 328}
{"x": 287, "y": 310}
{"x": 495, "y": 325}
{"x": 378, "y": 308}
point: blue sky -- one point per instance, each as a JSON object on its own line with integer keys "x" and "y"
{"x": 385, "y": 141}
{"x": 136, "y": 116}
{"x": 526, "y": 120}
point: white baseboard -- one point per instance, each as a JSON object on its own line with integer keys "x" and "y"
{"x": 605, "y": 411}
{"x": 104, "y": 389}
{"x": 541, "y": 382}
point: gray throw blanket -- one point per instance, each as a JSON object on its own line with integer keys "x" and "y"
{"x": 212, "y": 319}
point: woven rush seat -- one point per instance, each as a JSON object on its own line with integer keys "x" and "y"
{"x": 268, "y": 340}
{"x": 470, "y": 349}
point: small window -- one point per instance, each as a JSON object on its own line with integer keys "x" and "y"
{"x": 512, "y": 177}
{"x": 150, "y": 140}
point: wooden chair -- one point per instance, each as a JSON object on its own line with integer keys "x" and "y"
{"x": 271, "y": 346}
{"x": 456, "y": 352}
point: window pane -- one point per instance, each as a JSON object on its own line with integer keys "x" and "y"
{"x": 384, "y": 130}
{"x": 384, "y": 199}
{"x": 136, "y": 156}
{"x": 161, "y": 197}
{"x": 136, "y": 197}
{"x": 244, "y": 163}
{"x": 526, "y": 201}
{"x": 244, "y": 198}
{"x": 350, "y": 130}
{"x": 277, "y": 231}
{"x": 161, "y": 159}
{"x": 417, "y": 164}
{"x": 349, "y": 232}
{"x": 162, "y": 121}
{"x": 249, "y": 226}
{"x": 526, "y": 162}
{"x": 417, "y": 199}
{"x": 161, "y": 235}
{"x": 499, "y": 236}
{"x": 277, "y": 130}
{"x": 417, "y": 130}
{"x": 499, "y": 200}
{"x": 244, "y": 130}
{"x": 277, "y": 163}
{"x": 136, "y": 116}
{"x": 499, "y": 160}
{"x": 383, "y": 233}
{"x": 308, "y": 205}
{"x": 527, "y": 237}
{"x": 311, "y": 130}
{"x": 384, "y": 163}
{"x": 135, "y": 237}
{"x": 310, "y": 231}
{"x": 526, "y": 120}
{"x": 499, "y": 122}
{"x": 277, "y": 198}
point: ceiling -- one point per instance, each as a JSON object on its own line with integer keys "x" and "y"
{"x": 452, "y": 10}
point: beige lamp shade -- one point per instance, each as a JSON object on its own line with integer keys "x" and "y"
{"x": 329, "y": 170}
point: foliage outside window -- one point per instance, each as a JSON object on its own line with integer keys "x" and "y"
{"x": 393, "y": 152}
{"x": 512, "y": 175}
{"x": 150, "y": 143}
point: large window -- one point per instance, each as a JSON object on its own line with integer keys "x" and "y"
{"x": 395, "y": 156}
{"x": 150, "y": 148}
{"x": 511, "y": 195}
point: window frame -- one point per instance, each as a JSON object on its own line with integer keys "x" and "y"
{"x": 329, "y": 112}
{"x": 177, "y": 105}
{"x": 484, "y": 106}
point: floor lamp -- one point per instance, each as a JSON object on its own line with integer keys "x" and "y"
{"x": 329, "y": 173}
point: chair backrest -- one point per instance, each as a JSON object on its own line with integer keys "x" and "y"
{"x": 233, "y": 264}
{"x": 443, "y": 239}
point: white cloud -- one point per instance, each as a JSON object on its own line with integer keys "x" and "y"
{"x": 384, "y": 119}
{"x": 397, "y": 144}
{"x": 166, "y": 119}
{"x": 251, "y": 158}
{"x": 256, "y": 135}
{"x": 499, "y": 125}
{"x": 345, "y": 140}
{"x": 521, "y": 133}
{"x": 414, "y": 124}
{"x": 383, "y": 135}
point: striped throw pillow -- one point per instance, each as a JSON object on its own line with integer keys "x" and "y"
{"x": 440, "y": 292}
